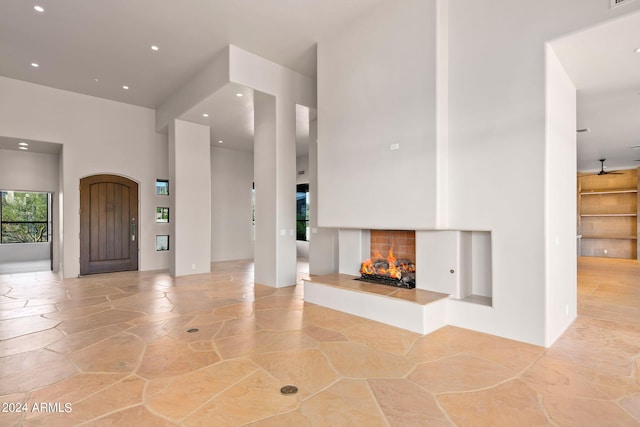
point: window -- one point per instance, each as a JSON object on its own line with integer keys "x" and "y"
{"x": 162, "y": 243}
{"x": 162, "y": 187}
{"x": 162, "y": 214}
{"x": 24, "y": 217}
{"x": 302, "y": 212}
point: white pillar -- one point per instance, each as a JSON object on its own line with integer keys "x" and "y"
{"x": 323, "y": 242}
{"x": 190, "y": 190}
{"x": 275, "y": 182}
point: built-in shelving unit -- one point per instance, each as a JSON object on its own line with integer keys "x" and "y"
{"x": 608, "y": 214}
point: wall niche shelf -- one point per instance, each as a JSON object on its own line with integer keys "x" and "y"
{"x": 608, "y": 214}
{"x": 619, "y": 191}
{"x": 612, "y": 214}
{"x": 609, "y": 237}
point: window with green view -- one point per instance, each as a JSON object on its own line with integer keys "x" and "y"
{"x": 24, "y": 217}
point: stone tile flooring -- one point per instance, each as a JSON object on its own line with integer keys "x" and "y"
{"x": 117, "y": 350}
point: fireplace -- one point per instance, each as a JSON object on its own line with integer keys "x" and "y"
{"x": 392, "y": 259}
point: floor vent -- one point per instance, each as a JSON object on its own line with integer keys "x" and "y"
{"x": 616, "y": 3}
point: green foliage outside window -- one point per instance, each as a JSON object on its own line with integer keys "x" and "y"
{"x": 24, "y": 217}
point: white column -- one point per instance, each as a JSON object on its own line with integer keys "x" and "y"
{"x": 323, "y": 242}
{"x": 190, "y": 190}
{"x": 275, "y": 181}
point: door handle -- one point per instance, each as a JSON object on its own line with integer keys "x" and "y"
{"x": 133, "y": 230}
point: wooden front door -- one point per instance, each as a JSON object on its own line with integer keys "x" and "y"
{"x": 108, "y": 224}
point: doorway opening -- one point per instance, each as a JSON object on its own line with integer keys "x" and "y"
{"x": 26, "y": 231}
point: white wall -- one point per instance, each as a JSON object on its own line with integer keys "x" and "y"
{"x": 99, "y": 136}
{"x": 498, "y": 156}
{"x": 377, "y": 87}
{"x": 302, "y": 164}
{"x": 231, "y": 181}
{"x": 560, "y": 182}
{"x": 17, "y": 252}
{"x": 26, "y": 171}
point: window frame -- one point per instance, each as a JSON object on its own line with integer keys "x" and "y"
{"x": 302, "y": 223}
{"x": 45, "y": 236}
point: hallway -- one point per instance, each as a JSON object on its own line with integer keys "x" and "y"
{"x": 121, "y": 350}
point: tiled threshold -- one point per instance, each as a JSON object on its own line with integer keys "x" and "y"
{"x": 416, "y": 310}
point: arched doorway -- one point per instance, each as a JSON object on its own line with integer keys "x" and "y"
{"x": 108, "y": 224}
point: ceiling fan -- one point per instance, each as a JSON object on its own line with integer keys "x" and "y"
{"x": 604, "y": 172}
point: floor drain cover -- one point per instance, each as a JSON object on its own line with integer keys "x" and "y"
{"x": 192, "y": 330}
{"x": 289, "y": 389}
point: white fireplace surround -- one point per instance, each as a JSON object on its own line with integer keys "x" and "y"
{"x": 453, "y": 262}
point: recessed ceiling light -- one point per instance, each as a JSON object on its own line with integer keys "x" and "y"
{"x": 635, "y": 147}
{"x": 39, "y": 8}
{"x": 35, "y": 64}
{"x": 23, "y": 148}
{"x": 23, "y": 144}
{"x": 239, "y": 94}
{"x": 205, "y": 115}
{"x": 637, "y": 50}
{"x": 125, "y": 87}
{"x": 220, "y": 142}
{"x": 154, "y": 47}
{"x": 96, "y": 80}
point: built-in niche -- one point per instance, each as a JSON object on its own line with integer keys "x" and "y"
{"x": 457, "y": 263}
{"x": 162, "y": 215}
{"x": 162, "y": 187}
{"x": 162, "y": 243}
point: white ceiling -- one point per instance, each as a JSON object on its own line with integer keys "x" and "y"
{"x": 96, "y": 47}
{"x": 602, "y": 64}
{"x": 13, "y": 144}
{"x": 230, "y": 118}
{"x": 78, "y": 41}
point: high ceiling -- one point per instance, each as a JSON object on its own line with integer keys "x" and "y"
{"x": 97, "y": 47}
{"x": 604, "y": 67}
{"x": 76, "y": 42}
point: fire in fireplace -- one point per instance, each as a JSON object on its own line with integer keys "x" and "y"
{"x": 389, "y": 271}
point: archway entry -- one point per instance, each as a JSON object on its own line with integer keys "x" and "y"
{"x": 108, "y": 224}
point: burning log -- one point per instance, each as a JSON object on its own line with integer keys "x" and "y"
{"x": 402, "y": 271}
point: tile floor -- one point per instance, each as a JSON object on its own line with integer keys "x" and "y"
{"x": 115, "y": 350}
